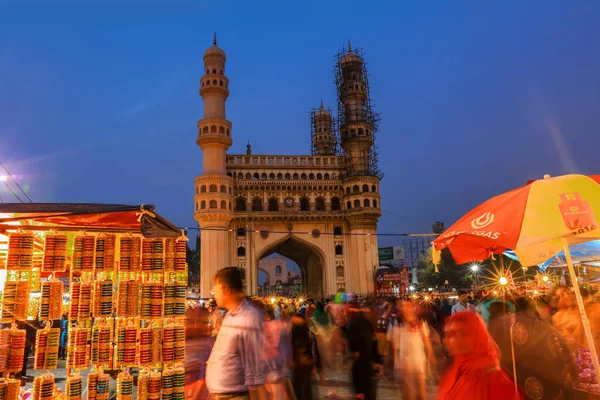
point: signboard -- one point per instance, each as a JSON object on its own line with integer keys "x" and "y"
{"x": 391, "y": 253}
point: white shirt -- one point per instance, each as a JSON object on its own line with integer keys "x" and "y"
{"x": 458, "y": 307}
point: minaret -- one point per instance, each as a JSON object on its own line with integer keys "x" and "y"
{"x": 357, "y": 125}
{"x": 323, "y": 136}
{"x": 214, "y": 189}
{"x": 356, "y": 119}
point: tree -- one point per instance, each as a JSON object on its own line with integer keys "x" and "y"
{"x": 457, "y": 276}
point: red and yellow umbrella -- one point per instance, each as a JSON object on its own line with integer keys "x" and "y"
{"x": 537, "y": 222}
{"x": 534, "y": 220}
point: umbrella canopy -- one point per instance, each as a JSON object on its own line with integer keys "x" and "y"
{"x": 581, "y": 253}
{"x": 141, "y": 218}
{"x": 533, "y": 220}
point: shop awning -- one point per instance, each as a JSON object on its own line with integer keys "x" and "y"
{"x": 137, "y": 218}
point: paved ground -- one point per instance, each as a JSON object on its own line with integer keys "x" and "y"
{"x": 337, "y": 383}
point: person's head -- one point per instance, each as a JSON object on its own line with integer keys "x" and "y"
{"x": 408, "y": 311}
{"x": 498, "y": 309}
{"x": 524, "y": 304}
{"x": 228, "y": 287}
{"x": 320, "y": 306}
{"x": 466, "y": 337}
{"x": 463, "y": 296}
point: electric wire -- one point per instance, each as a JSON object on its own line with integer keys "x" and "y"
{"x": 16, "y": 183}
{"x": 310, "y": 232}
{"x": 13, "y": 192}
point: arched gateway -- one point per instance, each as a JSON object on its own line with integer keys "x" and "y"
{"x": 319, "y": 210}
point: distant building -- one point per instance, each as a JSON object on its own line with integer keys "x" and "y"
{"x": 280, "y": 281}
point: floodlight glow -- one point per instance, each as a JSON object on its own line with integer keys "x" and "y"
{"x": 503, "y": 280}
{"x": 545, "y": 278}
{"x": 475, "y": 267}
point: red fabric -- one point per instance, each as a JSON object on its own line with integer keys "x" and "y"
{"x": 492, "y": 227}
{"x": 123, "y": 219}
{"x": 476, "y": 375}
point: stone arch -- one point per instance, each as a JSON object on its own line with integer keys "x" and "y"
{"x": 373, "y": 188}
{"x": 241, "y": 251}
{"x": 367, "y": 203}
{"x": 203, "y": 189}
{"x": 326, "y": 176}
{"x": 273, "y": 204}
{"x": 339, "y": 250}
{"x": 221, "y": 129}
{"x": 320, "y": 204}
{"x": 335, "y": 204}
{"x": 240, "y": 204}
{"x": 355, "y": 189}
{"x": 348, "y": 205}
{"x": 337, "y": 231}
{"x": 319, "y": 176}
{"x": 257, "y": 204}
{"x": 213, "y": 204}
{"x": 356, "y": 203}
{"x": 213, "y": 189}
{"x": 223, "y": 205}
{"x": 213, "y": 129}
{"x": 309, "y": 257}
{"x": 203, "y": 204}
{"x": 348, "y": 190}
{"x": 304, "y": 204}
{"x": 205, "y": 129}
{"x": 248, "y": 175}
{"x": 223, "y": 189}
{"x": 375, "y": 203}
{"x": 295, "y": 176}
{"x": 280, "y": 176}
{"x": 366, "y": 188}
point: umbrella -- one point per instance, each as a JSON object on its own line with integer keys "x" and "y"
{"x": 537, "y": 222}
{"x": 582, "y": 253}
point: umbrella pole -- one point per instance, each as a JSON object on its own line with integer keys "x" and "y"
{"x": 584, "y": 319}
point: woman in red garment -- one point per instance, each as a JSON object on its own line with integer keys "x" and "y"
{"x": 475, "y": 371}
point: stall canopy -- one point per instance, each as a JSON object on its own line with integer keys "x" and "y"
{"x": 582, "y": 253}
{"x": 141, "y": 218}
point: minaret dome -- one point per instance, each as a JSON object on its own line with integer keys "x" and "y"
{"x": 215, "y": 51}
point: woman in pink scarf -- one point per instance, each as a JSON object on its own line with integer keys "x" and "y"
{"x": 475, "y": 371}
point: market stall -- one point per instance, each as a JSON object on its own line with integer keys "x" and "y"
{"x": 391, "y": 284}
{"x": 111, "y": 280}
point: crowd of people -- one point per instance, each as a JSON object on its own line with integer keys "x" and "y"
{"x": 251, "y": 348}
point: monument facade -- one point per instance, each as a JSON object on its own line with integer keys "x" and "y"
{"x": 320, "y": 210}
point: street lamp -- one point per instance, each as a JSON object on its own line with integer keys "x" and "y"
{"x": 503, "y": 280}
{"x": 411, "y": 288}
{"x": 475, "y": 267}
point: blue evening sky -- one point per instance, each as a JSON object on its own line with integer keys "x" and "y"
{"x": 99, "y": 103}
